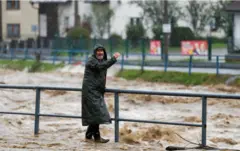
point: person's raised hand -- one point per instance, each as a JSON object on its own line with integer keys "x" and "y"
{"x": 116, "y": 55}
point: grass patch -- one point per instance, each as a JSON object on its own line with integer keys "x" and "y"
{"x": 219, "y": 45}
{"x": 67, "y": 54}
{"x": 232, "y": 61}
{"x": 32, "y": 66}
{"x": 174, "y": 77}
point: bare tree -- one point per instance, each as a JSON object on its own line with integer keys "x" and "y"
{"x": 76, "y": 15}
{"x": 222, "y": 19}
{"x": 200, "y": 14}
{"x": 101, "y": 15}
{"x": 153, "y": 11}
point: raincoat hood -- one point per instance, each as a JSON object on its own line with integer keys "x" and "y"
{"x": 97, "y": 46}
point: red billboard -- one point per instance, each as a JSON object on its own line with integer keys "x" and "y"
{"x": 194, "y": 47}
{"x": 155, "y": 47}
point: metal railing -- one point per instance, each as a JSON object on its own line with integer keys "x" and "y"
{"x": 116, "y": 118}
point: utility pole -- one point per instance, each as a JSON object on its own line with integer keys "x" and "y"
{"x": 166, "y": 21}
{"x": 76, "y": 15}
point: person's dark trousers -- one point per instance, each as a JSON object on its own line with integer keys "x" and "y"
{"x": 92, "y": 130}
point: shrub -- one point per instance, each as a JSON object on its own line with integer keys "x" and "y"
{"x": 135, "y": 33}
{"x": 157, "y": 32}
{"x": 79, "y": 38}
{"x": 116, "y": 39}
{"x": 179, "y": 34}
{"x": 78, "y": 32}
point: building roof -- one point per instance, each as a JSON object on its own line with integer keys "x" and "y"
{"x": 49, "y": 1}
{"x": 96, "y": 1}
{"x": 234, "y": 6}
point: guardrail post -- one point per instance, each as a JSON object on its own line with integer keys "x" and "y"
{"x": 37, "y": 111}
{"x": 204, "y": 120}
{"x": 190, "y": 65}
{"x": 116, "y": 109}
{"x": 217, "y": 65}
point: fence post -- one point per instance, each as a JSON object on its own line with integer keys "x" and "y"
{"x": 41, "y": 43}
{"x": 11, "y": 53}
{"x": 110, "y": 46}
{"x": 126, "y": 47}
{"x": 86, "y": 57}
{"x": 94, "y": 41}
{"x": 37, "y": 111}
{"x": 190, "y": 65}
{"x": 165, "y": 62}
{"x": 143, "y": 55}
{"x": 217, "y": 64}
{"x": 25, "y": 49}
{"x": 54, "y": 56}
{"x": 204, "y": 120}
{"x": 116, "y": 109}
{"x": 209, "y": 48}
{"x": 162, "y": 46}
{"x": 17, "y": 48}
{"x": 122, "y": 62}
{"x": 70, "y": 57}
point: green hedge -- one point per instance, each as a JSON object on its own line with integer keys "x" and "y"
{"x": 116, "y": 40}
{"x": 179, "y": 34}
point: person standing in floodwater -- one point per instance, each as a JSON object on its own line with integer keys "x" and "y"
{"x": 94, "y": 109}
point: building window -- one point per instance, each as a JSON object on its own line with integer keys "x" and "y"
{"x": 13, "y": 4}
{"x": 66, "y": 22}
{"x": 135, "y": 21}
{"x": 13, "y": 30}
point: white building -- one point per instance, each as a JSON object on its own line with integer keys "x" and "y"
{"x": 19, "y": 20}
{"x": 123, "y": 12}
{"x": 234, "y": 8}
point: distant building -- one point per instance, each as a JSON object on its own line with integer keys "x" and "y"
{"x": 234, "y": 9}
{"x": 48, "y": 15}
{"x": 57, "y": 16}
{"x": 122, "y": 15}
{"x": 18, "y": 20}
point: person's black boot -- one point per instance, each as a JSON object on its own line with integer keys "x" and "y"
{"x": 89, "y": 133}
{"x": 99, "y": 139}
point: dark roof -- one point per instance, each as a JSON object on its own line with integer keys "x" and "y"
{"x": 234, "y": 6}
{"x": 96, "y": 1}
{"x": 49, "y": 1}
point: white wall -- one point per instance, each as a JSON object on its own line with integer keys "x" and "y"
{"x": 122, "y": 16}
{"x": 67, "y": 10}
{"x": 26, "y": 16}
{"x": 236, "y": 30}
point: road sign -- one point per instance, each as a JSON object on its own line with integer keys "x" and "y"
{"x": 166, "y": 28}
{"x": 34, "y": 28}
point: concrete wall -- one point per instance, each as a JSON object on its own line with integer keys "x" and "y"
{"x": 26, "y": 16}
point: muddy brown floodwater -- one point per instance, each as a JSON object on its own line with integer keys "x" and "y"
{"x": 16, "y": 131}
